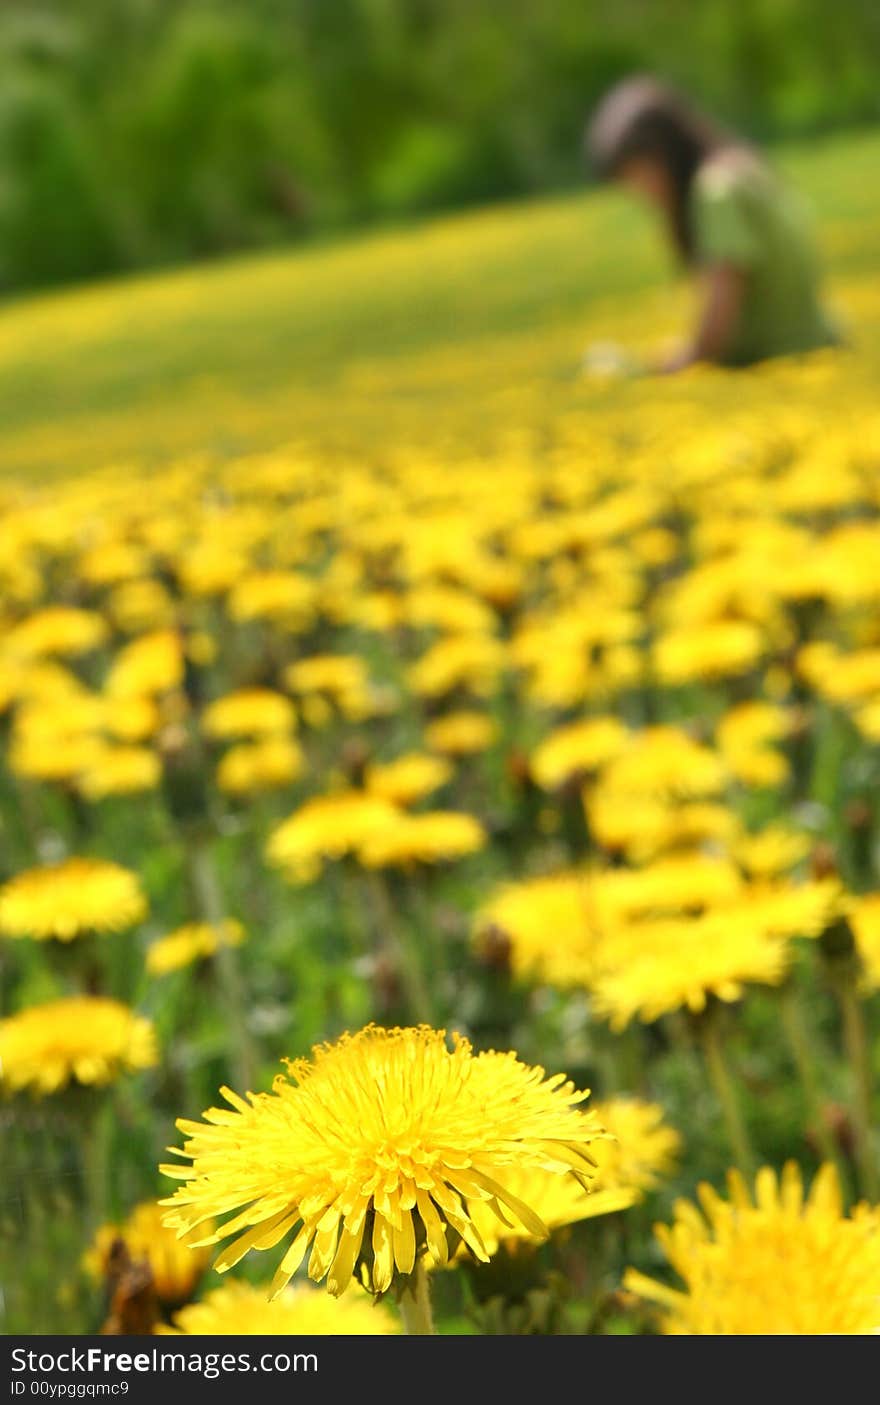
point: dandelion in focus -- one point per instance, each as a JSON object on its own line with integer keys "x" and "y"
{"x": 373, "y": 1149}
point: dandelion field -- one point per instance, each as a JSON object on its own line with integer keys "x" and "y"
{"x": 365, "y": 661}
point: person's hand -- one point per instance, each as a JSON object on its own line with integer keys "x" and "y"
{"x": 608, "y": 361}
{"x": 678, "y": 359}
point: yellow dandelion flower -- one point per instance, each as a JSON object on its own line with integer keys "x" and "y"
{"x": 131, "y": 719}
{"x": 470, "y": 661}
{"x": 681, "y": 882}
{"x": 864, "y": 918}
{"x": 242, "y": 1310}
{"x": 148, "y": 665}
{"x": 140, "y": 606}
{"x": 175, "y": 1268}
{"x": 776, "y": 1263}
{"x": 373, "y": 1148}
{"x": 211, "y": 568}
{"x": 752, "y": 724}
{"x": 577, "y": 749}
{"x": 247, "y": 713}
{"x": 668, "y": 965}
{"x": 851, "y": 678}
{"x": 719, "y": 649}
{"x": 642, "y": 830}
{"x": 408, "y": 778}
{"x": 556, "y": 1200}
{"x": 771, "y": 851}
{"x": 281, "y": 596}
{"x": 53, "y": 756}
{"x": 191, "y": 943}
{"x": 744, "y": 736}
{"x": 111, "y": 562}
{"x": 120, "y": 770}
{"x": 781, "y": 908}
{"x": 642, "y": 1148}
{"x": 267, "y": 764}
{"x": 567, "y": 927}
{"x": 448, "y": 609}
{"x": 342, "y": 677}
{"x": 327, "y": 827}
{"x": 81, "y": 1038}
{"x": 552, "y": 924}
{"x": 460, "y": 733}
{"x": 43, "y": 681}
{"x": 664, "y": 761}
{"x": 69, "y": 716}
{"x": 59, "y": 629}
{"x": 656, "y": 546}
{"x": 439, "y": 836}
{"x": 67, "y": 899}
{"x": 868, "y": 720}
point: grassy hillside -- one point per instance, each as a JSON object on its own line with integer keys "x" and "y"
{"x": 256, "y": 351}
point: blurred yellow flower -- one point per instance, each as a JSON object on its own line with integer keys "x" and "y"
{"x": 343, "y": 678}
{"x": 249, "y": 712}
{"x": 120, "y": 770}
{"x": 438, "y": 836}
{"x": 407, "y": 778}
{"x": 665, "y": 761}
{"x": 556, "y": 1200}
{"x": 281, "y": 596}
{"x": 642, "y": 1148}
{"x": 267, "y": 764}
{"x": 58, "y": 629}
{"x": 150, "y": 664}
{"x": 70, "y": 898}
{"x": 718, "y": 649}
{"x": 864, "y": 918}
{"x": 578, "y": 749}
{"x": 141, "y": 605}
{"x": 460, "y": 733}
{"x": 327, "y": 827}
{"x": 679, "y": 963}
{"x": 175, "y": 1268}
{"x": 780, "y": 1263}
{"x": 242, "y": 1310}
{"x": 82, "y": 1038}
{"x": 468, "y": 661}
{"x": 191, "y": 943}
{"x": 771, "y": 851}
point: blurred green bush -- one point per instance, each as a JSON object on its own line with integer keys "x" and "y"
{"x": 138, "y": 132}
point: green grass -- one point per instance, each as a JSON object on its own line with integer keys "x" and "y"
{"x": 254, "y": 351}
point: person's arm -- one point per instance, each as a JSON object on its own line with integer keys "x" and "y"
{"x": 724, "y": 290}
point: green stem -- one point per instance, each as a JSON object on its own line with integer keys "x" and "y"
{"x": 96, "y": 1155}
{"x": 408, "y": 957}
{"x": 856, "y": 1044}
{"x": 415, "y": 1304}
{"x": 725, "y": 1091}
{"x": 802, "y": 1056}
{"x": 210, "y": 907}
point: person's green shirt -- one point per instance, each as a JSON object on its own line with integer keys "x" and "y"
{"x": 742, "y": 216}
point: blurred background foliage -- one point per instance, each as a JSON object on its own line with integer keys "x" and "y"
{"x": 140, "y": 132}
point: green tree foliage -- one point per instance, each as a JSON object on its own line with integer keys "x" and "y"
{"x": 138, "y": 132}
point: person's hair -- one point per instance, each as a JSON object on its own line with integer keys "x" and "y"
{"x": 644, "y": 117}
